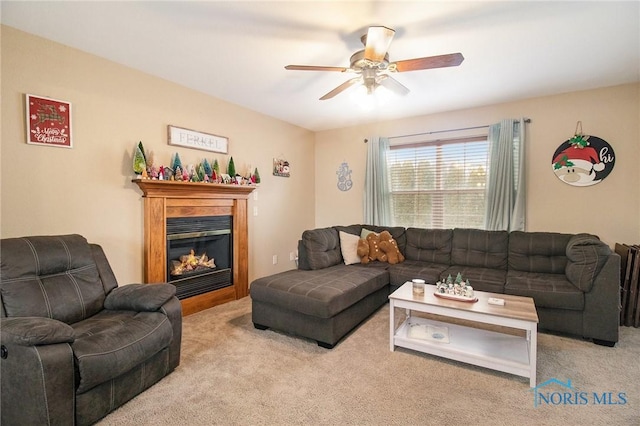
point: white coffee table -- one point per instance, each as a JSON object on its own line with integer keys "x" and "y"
{"x": 490, "y": 349}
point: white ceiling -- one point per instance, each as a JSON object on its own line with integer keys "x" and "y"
{"x": 237, "y": 50}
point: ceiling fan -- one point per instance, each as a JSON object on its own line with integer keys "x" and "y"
{"x": 373, "y": 67}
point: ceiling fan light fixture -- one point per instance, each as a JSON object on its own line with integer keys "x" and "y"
{"x": 373, "y": 68}
{"x": 377, "y": 42}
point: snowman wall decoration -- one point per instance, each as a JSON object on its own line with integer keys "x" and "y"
{"x": 583, "y": 160}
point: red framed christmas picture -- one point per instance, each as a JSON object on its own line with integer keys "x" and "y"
{"x": 48, "y": 121}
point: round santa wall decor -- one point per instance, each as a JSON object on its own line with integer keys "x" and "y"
{"x": 583, "y": 160}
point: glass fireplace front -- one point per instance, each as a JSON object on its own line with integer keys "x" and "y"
{"x": 199, "y": 254}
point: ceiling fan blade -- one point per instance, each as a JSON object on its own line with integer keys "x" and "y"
{"x": 344, "y": 86}
{"x": 393, "y": 85}
{"x": 441, "y": 61}
{"x": 314, "y": 68}
{"x": 378, "y": 41}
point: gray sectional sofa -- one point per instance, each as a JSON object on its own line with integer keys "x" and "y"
{"x": 573, "y": 279}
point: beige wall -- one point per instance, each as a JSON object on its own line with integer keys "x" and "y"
{"x": 610, "y": 209}
{"x": 88, "y": 189}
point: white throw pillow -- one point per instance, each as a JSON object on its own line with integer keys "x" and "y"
{"x": 349, "y": 247}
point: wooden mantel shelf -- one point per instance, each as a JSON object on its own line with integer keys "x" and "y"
{"x": 181, "y": 189}
{"x": 175, "y": 199}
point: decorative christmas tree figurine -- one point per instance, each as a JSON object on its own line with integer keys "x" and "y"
{"x": 231, "y": 170}
{"x": 150, "y": 163}
{"x": 215, "y": 176}
{"x": 201, "y": 172}
{"x": 178, "y": 174}
{"x": 176, "y": 163}
{"x": 449, "y": 279}
{"x": 207, "y": 167}
{"x": 141, "y": 147}
{"x": 139, "y": 162}
{"x": 459, "y": 278}
{"x": 256, "y": 176}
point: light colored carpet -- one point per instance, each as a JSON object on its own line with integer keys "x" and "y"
{"x": 234, "y": 374}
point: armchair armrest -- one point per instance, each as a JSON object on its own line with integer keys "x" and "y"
{"x": 139, "y": 297}
{"x": 34, "y": 331}
{"x": 37, "y": 371}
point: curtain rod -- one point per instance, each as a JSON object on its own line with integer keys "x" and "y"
{"x": 526, "y": 120}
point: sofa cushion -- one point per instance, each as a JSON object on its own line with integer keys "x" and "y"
{"x": 321, "y": 293}
{"x": 483, "y": 279}
{"x": 543, "y": 252}
{"x": 547, "y": 290}
{"x": 322, "y": 247}
{"x": 483, "y": 249}
{"x": 52, "y": 277}
{"x": 429, "y": 245}
{"x": 400, "y": 273}
{"x": 349, "y": 248}
{"x": 113, "y": 342}
{"x": 587, "y": 255}
{"x": 350, "y": 229}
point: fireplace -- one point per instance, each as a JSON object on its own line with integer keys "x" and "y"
{"x": 199, "y": 254}
{"x": 207, "y": 218}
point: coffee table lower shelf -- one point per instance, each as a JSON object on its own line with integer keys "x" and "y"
{"x": 484, "y": 348}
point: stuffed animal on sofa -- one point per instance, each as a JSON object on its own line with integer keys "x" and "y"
{"x": 374, "y": 250}
{"x": 389, "y": 246}
{"x": 363, "y": 251}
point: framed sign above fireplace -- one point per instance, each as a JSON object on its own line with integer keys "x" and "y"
{"x": 198, "y": 140}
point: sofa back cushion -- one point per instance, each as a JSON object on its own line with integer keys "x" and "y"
{"x": 541, "y": 252}
{"x": 586, "y": 256}
{"x": 429, "y": 245}
{"x": 322, "y": 247}
{"x": 484, "y": 249}
{"x": 50, "y": 276}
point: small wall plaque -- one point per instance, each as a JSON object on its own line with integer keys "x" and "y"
{"x": 187, "y": 138}
{"x": 48, "y": 121}
{"x": 583, "y": 160}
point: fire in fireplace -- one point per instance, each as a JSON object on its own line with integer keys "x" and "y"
{"x": 199, "y": 254}
{"x": 191, "y": 263}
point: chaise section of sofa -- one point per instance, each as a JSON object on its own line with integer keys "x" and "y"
{"x": 325, "y": 301}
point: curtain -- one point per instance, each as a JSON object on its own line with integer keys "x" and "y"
{"x": 377, "y": 210}
{"x": 505, "y": 206}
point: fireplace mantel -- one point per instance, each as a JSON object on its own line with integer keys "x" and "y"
{"x": 171, "y": 199}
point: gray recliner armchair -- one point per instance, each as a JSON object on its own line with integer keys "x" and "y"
{"x": 75, "y": 345}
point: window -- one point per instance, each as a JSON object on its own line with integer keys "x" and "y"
{"x": 439, "y": 184}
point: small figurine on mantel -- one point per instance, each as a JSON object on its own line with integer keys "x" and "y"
{"x": 153, "y": 172}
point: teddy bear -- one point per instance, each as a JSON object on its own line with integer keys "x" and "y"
{"x": 374, "y": 250}
{"x": 363, "y": 251}
{"x": 389, "y": 246}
